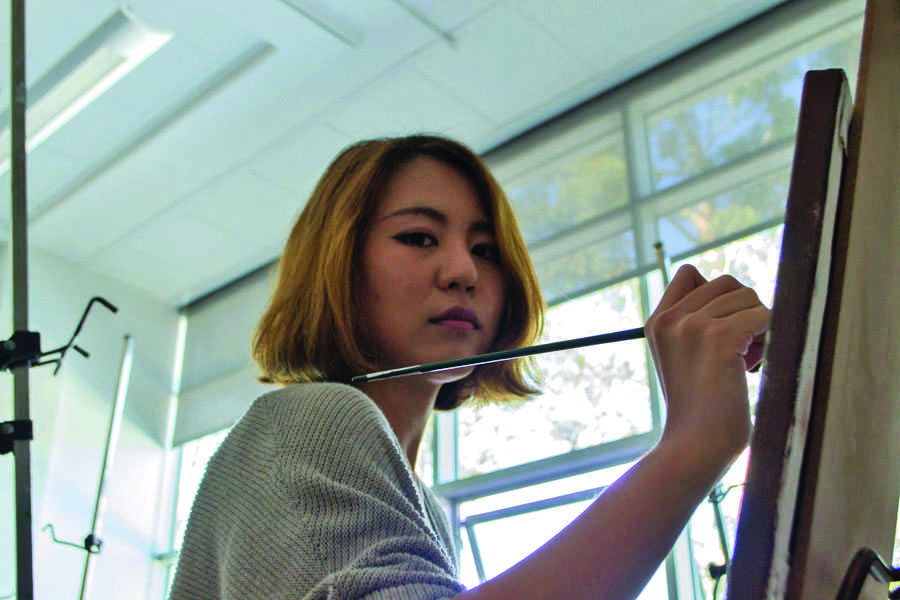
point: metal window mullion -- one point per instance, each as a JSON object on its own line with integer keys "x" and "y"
{"x": 555, "y": 467}
{"x": 530, "y": 507}
{"x": 640, "y": 181}
{"x": 640, "y": 184}
{"x": 476, "y": 552}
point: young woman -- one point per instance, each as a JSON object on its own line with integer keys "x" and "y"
{"x": 407, "y": 253}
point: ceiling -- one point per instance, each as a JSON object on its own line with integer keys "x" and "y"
{"x": 187, "y": 173}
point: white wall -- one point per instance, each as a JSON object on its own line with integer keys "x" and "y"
{"x": 71, "y": 415}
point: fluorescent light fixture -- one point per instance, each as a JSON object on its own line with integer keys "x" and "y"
{"x": 330, "y": 23}
{"x": 117, "y": 46}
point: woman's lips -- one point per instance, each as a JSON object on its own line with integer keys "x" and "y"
{"x": 455, "y": 325}
{"x": 458, "y": 318}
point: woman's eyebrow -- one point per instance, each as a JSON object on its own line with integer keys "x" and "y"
{"x": 480, "y": 226}
{"x": 425, "y": 211}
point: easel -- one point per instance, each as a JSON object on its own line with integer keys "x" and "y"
{"x": 823, "y": 480}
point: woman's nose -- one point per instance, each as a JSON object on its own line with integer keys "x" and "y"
{"x": 458, "y": 270}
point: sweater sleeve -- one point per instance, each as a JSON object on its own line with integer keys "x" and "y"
{"x": 345, "y": 477}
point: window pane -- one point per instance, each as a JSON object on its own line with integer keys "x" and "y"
{"x": 732, "y": 122}
{"x": 590, "y": 395}
{"x": 505, "y": 542}
{"x": 705, "y": 545}
{"x": 896, "y": 559}
{"x": 425, "y": 458}
{"x": 502, "y": 542}
{"x": 584, "y": 267}
{"x": 194, "y": 456}
{"x": 570, "y": 189}
{"x": 600, "y": 478}
{"x": 684, "y": 228}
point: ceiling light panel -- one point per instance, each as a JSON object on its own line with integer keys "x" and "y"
{"x": 116, "y": 47}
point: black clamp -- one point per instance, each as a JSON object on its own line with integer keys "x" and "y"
{"x": 22, "y": 349}
{"x": 92, "y": 543}
{"x": 12, "y": 431}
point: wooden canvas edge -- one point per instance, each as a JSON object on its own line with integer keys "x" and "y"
{"x": 779, "y": 432}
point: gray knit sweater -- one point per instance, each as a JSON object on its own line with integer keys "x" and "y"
{"x": 310, "y": 496}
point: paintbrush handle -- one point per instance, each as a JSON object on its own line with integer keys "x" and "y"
{"x": 593, "y": 340}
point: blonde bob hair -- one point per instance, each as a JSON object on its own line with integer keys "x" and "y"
{"x": 311, "y": 330}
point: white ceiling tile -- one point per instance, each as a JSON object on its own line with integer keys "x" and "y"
{"x": 281, "y": 25}
{"x": 402, "y": 102}
{"x": 131, "y": 264}
{"x": 449, "y": 15}
{"x": 297, "y": 160}
{"x": 48, "y": 171}
{"x": 504, "y": 65}
{"x": 106, "y": 209}
{"x": 176, "y": 259}
{"x": 244, "y": 205}
{"x": 615, "y": 40}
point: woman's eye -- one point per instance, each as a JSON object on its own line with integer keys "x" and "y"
{"x": 487, "y": 251}
{"x": 419, "y": 239}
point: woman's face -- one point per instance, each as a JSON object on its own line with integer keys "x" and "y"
{"x": 432, "y": 287}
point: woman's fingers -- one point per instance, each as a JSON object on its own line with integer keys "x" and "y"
{"x": 728, "y": 302}
{"x": 703, "y": 295}
{"x": 686, "y": 280}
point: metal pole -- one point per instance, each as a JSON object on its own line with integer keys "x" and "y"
{"x": 112, "y": 440}
{"x": 19, "y": 235}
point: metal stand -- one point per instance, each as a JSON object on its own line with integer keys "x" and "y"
{"x": 22, "y": 350}
{"x": 19, "y": 236}
{"x": 93, "y": 540}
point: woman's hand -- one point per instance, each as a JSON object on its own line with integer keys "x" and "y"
{"x": 703, "y": 336}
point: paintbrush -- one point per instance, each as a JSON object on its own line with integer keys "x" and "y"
{"x": 481, "y": 359}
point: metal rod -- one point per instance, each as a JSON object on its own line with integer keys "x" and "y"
{"x": 19, "y": 236}
{"x": 715, "y": 498}
{"x": 593, "y": 340}
{"x": 112, "y": 440}
{"x": 664, "y": 265}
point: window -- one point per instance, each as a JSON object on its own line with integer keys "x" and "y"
{"x": 193, "y": 457}
{"x": 743, "y": 114}
{"x": 699, "y": 161}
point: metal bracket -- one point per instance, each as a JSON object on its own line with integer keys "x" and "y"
{"x": 12, "y": 431}
{"x": 867, "y": 562}
{"x": 91, "y": 543}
